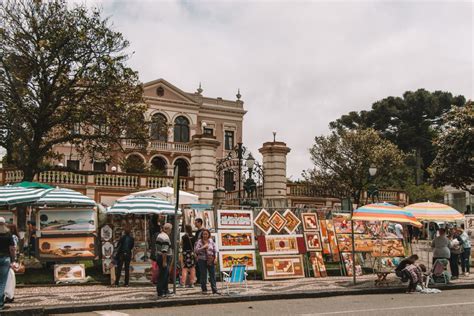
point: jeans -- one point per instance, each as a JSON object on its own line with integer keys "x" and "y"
{"x": 454, "y": 264}
{"x": 203, "y": 269}
{"x": 123, "y": 259}
{"x": 4, "y": 268}
{"x": 465, "y": 264}
{"x": 163, "y": 276}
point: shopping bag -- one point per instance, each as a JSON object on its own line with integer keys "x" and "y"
{"x": 154, "y": 272}
{"x": 10, "y": 285}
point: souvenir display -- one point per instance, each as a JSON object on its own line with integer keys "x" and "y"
{"x": 310, "y": 221}
{"x": 313, "y": 241}
{"x": 69, "y": 272}
{"x": 363, "y": 243}
{"x": 107, "y": 250}
{"x": 388, "y": 264}
{"x": 106, "y": 263}
{"x": 63, "y": 248}
{"x": 332, "y": 240}
{"x": 60, "y": 221}
{"x": 106, "y": 233}
{"x": 279, "y": 244}
{"x": 342, "y": 225}
{"x": 348, "y": 264}
{"x": 292, "y": 222}
{"x": 228, "y": 258}
{"x": 262, "y": 221}
{"x": 139, "y": 272}
{"x": 236, "y": 239}
{"x": 282, "y": 267}
{"x": 230, "y": 219}
{"x": 388, "y": 248}
{"x": 190, "y": 215}
{"x": 277, "y": 221}
{"x": 317, "y": 262}
{"x": 325, "y": 238}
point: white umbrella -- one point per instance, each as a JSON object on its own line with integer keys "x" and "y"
{"x": 10, "y": 195}
{"x": 65, "y": 197}
{"x": 141, "y": 205}
{"x": 166, "y": 193}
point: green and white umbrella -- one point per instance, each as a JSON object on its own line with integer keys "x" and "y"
{"x": 142, "y": 206}
{"x": 10, "y": 195}
{"x": 65, "y": 197}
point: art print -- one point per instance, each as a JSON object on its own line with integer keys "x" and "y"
{"x": 69, "y": 272}
{"x": 236, "y": 239}
{"x": 348, "y": 265}
{"x": 107, "y": 250}
{"x": 106, "y": 233}
{"x": 282, "y": 267}
{"x": 229, "y": 258}
{"x": 235, "y": 219}
{"x": 66, "y": 221}
{"x": 313, "y": 241}
{"x": 317, "y": 262}
{"x": 292, "y": 222}
{"x": 281, "y": 244}
{"x": 277, "y": 221}
{"x": 262, "y": 221}
{"x": 310, "y": 221}
{"x": 58, "y": 248}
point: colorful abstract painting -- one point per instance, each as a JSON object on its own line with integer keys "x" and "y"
{"x": 277, "y": 221}
{"x": 262, "y": 221}
{"x": 317, "y": 263}
{"x": 313, "y": 241}
{"x": 310, "y": 221}
{"x": 229, "y": 258}
{"x": 281, "y": 244}
{"x": 282, "y": 267}
{"x": 292, "y": 222}
{"x": 348, "y": 264}
{"x": 236, "y": 239}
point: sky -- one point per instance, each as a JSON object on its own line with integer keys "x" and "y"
{"x": 299, "y": 64}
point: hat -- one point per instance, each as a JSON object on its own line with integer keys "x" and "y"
{"x": 2, "y": 220}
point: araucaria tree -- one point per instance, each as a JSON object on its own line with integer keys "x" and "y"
{"x": 454, "y": 163}
{"x": 63, "y": 79}
{"x": 342, "y": 161}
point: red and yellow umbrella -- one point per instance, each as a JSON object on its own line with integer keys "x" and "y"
{"x": 429, "y": 211}
{"x": 385, "y": 212}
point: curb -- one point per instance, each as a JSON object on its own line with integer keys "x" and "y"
{"x": 66, "y": 309}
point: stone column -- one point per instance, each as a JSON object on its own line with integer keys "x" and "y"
{"x": 274, "y": 170}
{"x": 203, "y": 166}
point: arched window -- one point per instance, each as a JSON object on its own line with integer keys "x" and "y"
{"x": 181, "y": 130}
{"x": 158, "y": 164}
{"x": 134, "y": 164}
{"x": 183, "y": 166}
{"x": 159, "y": 128}
{"x": 229, "y": 183}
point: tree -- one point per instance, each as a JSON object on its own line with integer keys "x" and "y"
{"x": 454, "y": 162}
{"x": 64, "y": 79}
{"x": 411, "y": 122}
{"x": 342, "y": 160}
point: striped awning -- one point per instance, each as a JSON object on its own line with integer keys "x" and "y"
{"x": 429, "y": 211}
{"x": 385, "y": 212}
{"x": 142, "y": 205}
{"x": 65, "y": 197}
{"x": 10, "y": 195}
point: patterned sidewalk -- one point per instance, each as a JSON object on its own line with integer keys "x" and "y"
{"x": 28, "y": 297}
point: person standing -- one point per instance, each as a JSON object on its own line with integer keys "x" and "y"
{"x": 466, "y": 253}
{"x": 188, "y": 257}
{"x": 164, "y": 255}
{"x": 198, "y": 223}
{"x": 7, "y": 257}
{"x": 206, "y": 251}
{"x": 399, "y": 230}
{"x": 456, "y": 250}
{"x": 124, "y": 256}
{"x": 440, "y": 244}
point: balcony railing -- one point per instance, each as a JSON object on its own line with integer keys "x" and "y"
{"x": 157, "y": 145}
{"x": 109, "y": 180}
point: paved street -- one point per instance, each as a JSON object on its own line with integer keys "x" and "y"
{"x": 453, "y": 302}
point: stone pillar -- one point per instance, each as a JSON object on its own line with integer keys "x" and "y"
{"x": 274, "y": 170}
{"x": 203, "y": 166}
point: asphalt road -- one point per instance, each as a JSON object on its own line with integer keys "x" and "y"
{"x": 452, "y": 302}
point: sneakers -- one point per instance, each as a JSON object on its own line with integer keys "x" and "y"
{"x": 190, "y": 286}
{"x": 466, "y": 273}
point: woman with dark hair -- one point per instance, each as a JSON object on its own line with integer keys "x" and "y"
{"x": 206, "y": 252}
{"x": 187, "y": 257}
{"x": 403, "y": 264}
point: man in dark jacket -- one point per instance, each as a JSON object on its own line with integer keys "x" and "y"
{"x": 124, "y": 256}
{"x": 198, "y": 223}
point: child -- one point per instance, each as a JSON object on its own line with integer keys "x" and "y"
{"x": 415, "y": 276}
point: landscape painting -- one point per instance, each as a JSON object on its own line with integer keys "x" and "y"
{"x": 282, "y": 267}
{"x": 66, "y": 221}
{"x": 236, "y": 239}
{"x": 69, "y": 272}
{"x": 66, "y": 248}
{"x": 229, "y": 258}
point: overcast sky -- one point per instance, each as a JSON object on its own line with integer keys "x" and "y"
{"x": 300, "y": 64}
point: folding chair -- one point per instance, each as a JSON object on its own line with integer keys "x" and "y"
{"x": 439, "y": 274}
{"x": 237, "y": 276}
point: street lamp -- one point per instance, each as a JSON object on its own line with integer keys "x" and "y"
{"x": 372, "y": 190}
{"x": 250, "y": 185}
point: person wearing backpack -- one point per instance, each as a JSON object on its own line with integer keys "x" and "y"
{"x": 7, "y": 257}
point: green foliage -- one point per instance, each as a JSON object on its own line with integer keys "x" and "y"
{"x": 454, "y": 163}
{"x": 411, "y": 122}
{"x": 342, "y": 160}
{"x": 133, "y": 164}
{"x": 424, "y": 192}
{"x": 64, "y": 80}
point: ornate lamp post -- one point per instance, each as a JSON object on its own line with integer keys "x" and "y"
{"x": 372, "y": 191}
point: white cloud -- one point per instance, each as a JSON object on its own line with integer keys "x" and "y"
{"x": 300, "y": 64}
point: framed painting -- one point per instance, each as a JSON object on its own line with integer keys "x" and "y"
{"x": 348, "y": 264}
{"x": 61, "y": 221}
{"x": 236, "y": 239}
{"x": 139, "y": 272}
{"x": 342, "y": 223}
{"x": 106, "y": 233}
{"x": 389, "y": 248}
{"x": 281, "y": 244}
{"x": 292, "y": 222}
{"x": 469, "y": 223}
{"x": 313, "y": 241}
{"x": 332, "y": 240}
{"x": 310, "y": 221}
{"x": 107, "y": 250}
{"x": 234, "y": 219}
{"x": 69, "y": 272}
{"x": 282, "y": 267}
{"x": 208, "y": 220}
{"x": 277, "y": 221}
{"x": 66, "y": 248}
{"x": 228, "y": 258}
{"x": 190, "y": 216}
{"x": 106, "y": 264}
{"x": 317, "y": 263}
{"x": 262, "y": 221}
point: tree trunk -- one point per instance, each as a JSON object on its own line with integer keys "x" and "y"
{"x": 21, "y": 218}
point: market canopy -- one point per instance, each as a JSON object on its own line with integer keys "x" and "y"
{"x": 429, "y": 211}
{"x": 11, "y": 195}
{"x": 33, "y": 185}
{"x": 141, "y": 205}
{"x": 65, "y": 197}
{"x": 167, "y": 193}
{"x": 384, "y": 212}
